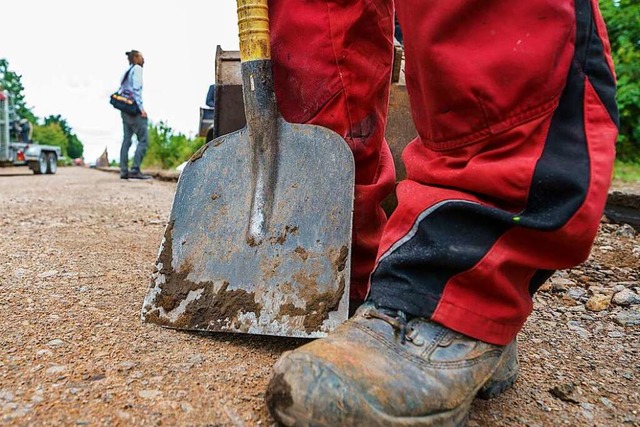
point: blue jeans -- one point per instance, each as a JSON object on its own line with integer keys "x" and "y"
{"x": 133, "y": 125}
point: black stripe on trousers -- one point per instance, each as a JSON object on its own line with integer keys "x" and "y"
{"x": 453, "y": 236}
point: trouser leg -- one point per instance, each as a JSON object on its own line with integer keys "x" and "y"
{"x": 142, "y": 134}
{"x": 127, "y": 129}
{"x": 507, "y": 181}
{"x": 332, "y": 64}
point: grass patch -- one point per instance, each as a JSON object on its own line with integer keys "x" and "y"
{"x": 627, "y": 172}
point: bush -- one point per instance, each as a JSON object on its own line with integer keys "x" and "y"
{"x": 168, "y": 150}
{"x": 51, "y": 134}
{"x": 627, "y": 172}
{"x": 623, "y": 24}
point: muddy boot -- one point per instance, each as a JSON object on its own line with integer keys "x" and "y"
{"x": 378, "y": 369}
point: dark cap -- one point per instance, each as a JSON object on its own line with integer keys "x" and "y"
{"x": 131, "y": 52}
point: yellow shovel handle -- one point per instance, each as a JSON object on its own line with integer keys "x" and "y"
{"x": 253, "y": 23}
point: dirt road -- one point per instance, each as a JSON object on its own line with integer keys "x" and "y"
{"x": 76, "y": 254}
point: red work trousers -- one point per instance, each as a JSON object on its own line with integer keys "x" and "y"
{"x": 514, "y": 104}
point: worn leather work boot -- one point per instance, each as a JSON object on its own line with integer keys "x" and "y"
{"x": 378, "y": 369}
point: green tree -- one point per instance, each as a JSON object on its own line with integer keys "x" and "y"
{"x": 75, "y": 148}
{"x": 12, "y": 83}
{"x": 51, "y": 134}
{"x": 168, "y": 150}
{"x": 623, "y": 24}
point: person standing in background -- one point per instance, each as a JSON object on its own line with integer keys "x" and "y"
{"x": 26, "y": 131}
{"x": 131, "y": 87}
{"x": 211, "y": 97}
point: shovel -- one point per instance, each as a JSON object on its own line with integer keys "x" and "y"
{"x": 259, "y": 236}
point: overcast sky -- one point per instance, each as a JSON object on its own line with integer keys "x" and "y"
{"x": 71, "y": 55}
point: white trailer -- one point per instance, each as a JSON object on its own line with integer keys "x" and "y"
{"x": 40, "y": 158}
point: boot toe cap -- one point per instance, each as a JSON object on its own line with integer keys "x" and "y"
{"x": 303, "y": 387}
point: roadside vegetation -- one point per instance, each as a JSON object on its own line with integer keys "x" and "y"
{"x": 623, "y": 24}
{"x": 626, "y": 172}
{"x": 168, "y": 149}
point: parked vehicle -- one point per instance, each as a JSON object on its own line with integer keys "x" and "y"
{"x": 40, "y": 159}
{"x": 227, "y": 114}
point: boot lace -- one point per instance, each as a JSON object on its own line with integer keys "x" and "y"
{"x": 396, "y": 318}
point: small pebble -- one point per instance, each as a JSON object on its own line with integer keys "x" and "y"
{"x": 149, "y": 394}
{"x": 626, "y": 298}
{"x": 618, "y": 288}
{"x": 576, "y": 292}
{"x": 559, "y": 284}
{"x": 598, "y": 303}
{"x": 56, "y": 369}
{"x": 48, "y": 274}
{"x": 628, "y": 318}
{"x": 606, "y": 402}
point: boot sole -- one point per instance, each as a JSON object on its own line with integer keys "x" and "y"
{"x": 495, "y": 388}
{"x": 503, "y": 378}
{"x": 298, "y": 417}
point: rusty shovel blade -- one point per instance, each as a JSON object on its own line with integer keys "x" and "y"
{"x": 259, "y": 236}
{"x": 292, "y": 280}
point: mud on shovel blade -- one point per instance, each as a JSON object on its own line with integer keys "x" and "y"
{"x": 259, "y": 236}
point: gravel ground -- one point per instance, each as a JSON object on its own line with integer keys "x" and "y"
{"x": 75, "y": 259}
